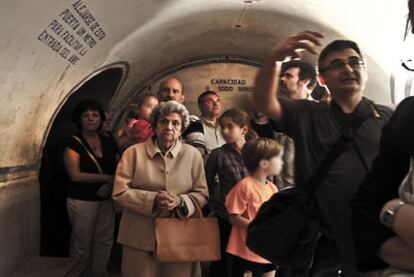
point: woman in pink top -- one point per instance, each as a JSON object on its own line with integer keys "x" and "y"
{"x": 262, "y": 157}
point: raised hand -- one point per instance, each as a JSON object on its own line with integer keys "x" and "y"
{"x": 294, "y": 45}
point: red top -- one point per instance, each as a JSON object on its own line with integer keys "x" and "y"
{"x": 137, "y": 131}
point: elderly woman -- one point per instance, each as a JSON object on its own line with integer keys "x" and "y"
{"x": 155, "y": 179}
{"x": 90, "y": 160}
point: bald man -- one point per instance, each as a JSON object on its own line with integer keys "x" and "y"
{"x": 171, "y": 89}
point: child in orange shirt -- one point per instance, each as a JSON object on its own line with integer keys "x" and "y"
{"x": 263, "y": 158}
{"x": 138, "y": 128}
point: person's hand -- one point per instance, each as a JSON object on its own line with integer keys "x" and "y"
{"x": 389, "y": 206}
{"x": 294, "y": 45}
{"x": 105, "y": 190}
{"x": 167, "y": 201}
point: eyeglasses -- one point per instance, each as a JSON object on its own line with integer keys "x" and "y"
{"x": 336, "y": 65}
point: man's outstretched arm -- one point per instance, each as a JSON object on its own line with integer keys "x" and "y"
{"x": 267, "y": 79}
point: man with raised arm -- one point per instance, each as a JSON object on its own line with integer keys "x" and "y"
{"x": 315, "y": 129}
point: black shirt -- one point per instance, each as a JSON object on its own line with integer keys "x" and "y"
{"x": 263, "y": 130}
{"x": 381, "y": 185}
{"x": 315, "y": 128}
{"x": 87, "y": 191}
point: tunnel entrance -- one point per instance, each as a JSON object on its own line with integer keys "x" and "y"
{"x": 55, "y": 228}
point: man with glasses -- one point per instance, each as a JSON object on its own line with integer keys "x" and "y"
{"x": 316, "y": 128}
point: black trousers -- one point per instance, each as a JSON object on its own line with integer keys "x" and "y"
{"x": 222, "y": 268}
{"x": 242, "y": 268}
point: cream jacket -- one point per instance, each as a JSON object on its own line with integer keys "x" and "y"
{"x": 143, "y": 171}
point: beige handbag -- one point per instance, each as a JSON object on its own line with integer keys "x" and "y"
{"x": 187, "y": 240}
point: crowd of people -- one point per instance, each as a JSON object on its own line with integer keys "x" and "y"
{"x": 163, "y": 158}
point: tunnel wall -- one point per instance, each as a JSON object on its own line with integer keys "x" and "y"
{"x": 233, "y": 81}
{"x": 36, "y": 77}
{"x": 20, "y": 222}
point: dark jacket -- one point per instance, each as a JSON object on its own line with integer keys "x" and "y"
{"x": 381, "y": 185}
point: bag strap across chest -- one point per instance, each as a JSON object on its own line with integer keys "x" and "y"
{"x": 347, "y": 135}
{"x": 89, "y": 154}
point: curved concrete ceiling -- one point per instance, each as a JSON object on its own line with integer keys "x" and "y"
{"x": 153, "y": 34}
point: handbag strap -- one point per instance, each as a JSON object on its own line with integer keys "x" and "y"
{"x": 327, "y": 163}
{"x": 89, "y": 154}
{"x": 197, "y": 205}
{"x": 338, "y": 149}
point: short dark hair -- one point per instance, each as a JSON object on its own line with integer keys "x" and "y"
{"x": 259, "y": 149}
{"x": 242, "y": 119}
{"x": 132, "y": 111}
{"x": 203, "y": 96}
{"x": 238, "y": 116}
{"x": 410, "y": 18}
{"x": 335, "y": 46}
{"x": 306, "y": 70}
{"x": 87, "y": 105}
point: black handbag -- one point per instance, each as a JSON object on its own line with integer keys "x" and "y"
{"x": 287, "y": 229}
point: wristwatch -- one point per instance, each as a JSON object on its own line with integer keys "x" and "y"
{"x": 388, "y": 216}
{"x": 183, "y": 206}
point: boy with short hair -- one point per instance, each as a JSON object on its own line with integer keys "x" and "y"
{"x": 263, "y": 158}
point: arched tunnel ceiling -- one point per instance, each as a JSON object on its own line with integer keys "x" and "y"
{"x": 154, "y": 34}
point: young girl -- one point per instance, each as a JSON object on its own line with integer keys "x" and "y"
{"x": 263, "y": 158}
{"x": 226, "y": 163}
{"x": 138, "y": 128}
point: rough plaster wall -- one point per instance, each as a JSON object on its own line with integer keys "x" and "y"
{"x": 148, "y": 34}
{"x": 152, "y": 34}
{"x": 196, "y": 79}
{"x": 19, "y": 221}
